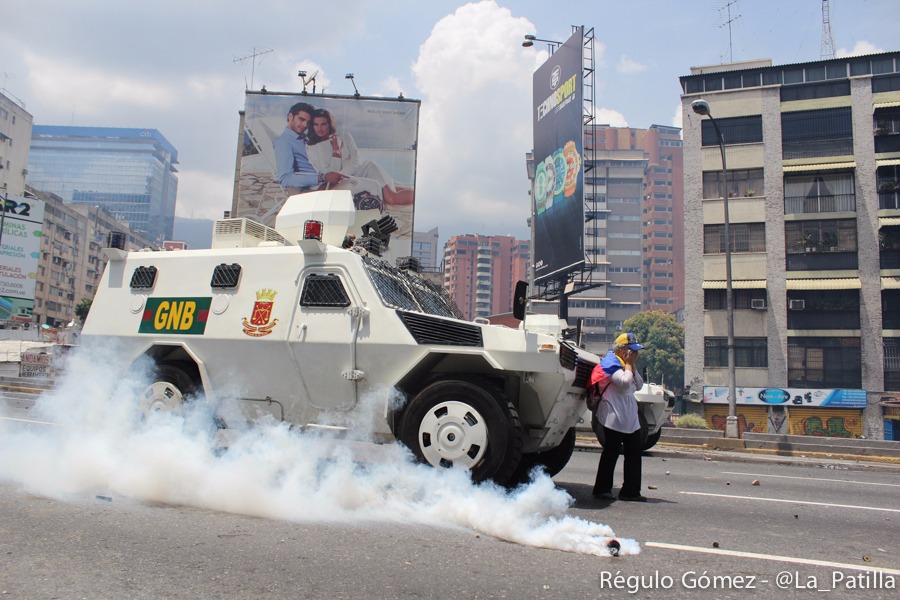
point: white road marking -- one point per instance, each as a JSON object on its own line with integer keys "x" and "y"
{"x": 31, "y": 421}
{"x": 772, "y": 557}
{"x": 896, "y": 510}
{"x": 810, "y": 478}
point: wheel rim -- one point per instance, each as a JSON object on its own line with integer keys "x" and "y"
{"x": 453, "y": 433}
{"x": 161, "y": 396}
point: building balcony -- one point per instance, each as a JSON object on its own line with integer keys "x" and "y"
{"x": 890, "y": 319}
{"x": 890, "y": 199}
{"x": 744, "y": 265}
{"x": 890, "y": 259}
{"x": 887, "y": 143}
{"x": 807, "y": 320}
{"x": 822, "y": 261}
{"x": 820, "y": 204}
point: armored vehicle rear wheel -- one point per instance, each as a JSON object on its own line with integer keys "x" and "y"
{"x": 170, "y": 388}
{"x": 652, "y": 439}
{"x": 458, "y": 422}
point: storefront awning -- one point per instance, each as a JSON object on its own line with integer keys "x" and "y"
{"x": 741, "y": 284}
{"x": 885, "y": 221}
{"x": 890, "y": 283}
{"x": 885, "y": 104}
{"x": 850, "y": 283}
{"x": 888, "y": 162}
{"x": 819, "y": 167}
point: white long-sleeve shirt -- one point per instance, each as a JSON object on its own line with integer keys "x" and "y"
{"x": 618, "y": 408}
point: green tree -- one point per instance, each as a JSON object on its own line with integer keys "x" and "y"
{"x": 83, "y": 308}
{"x": 663, "y": 340}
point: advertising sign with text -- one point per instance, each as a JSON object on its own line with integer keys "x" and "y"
{"x": 788, "y": 397}
{"x": 558, "y": 193}
{"x": 20, "y": 245}
{"x": 295, "y": 143}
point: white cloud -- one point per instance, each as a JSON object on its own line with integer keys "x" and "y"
{"x": 678, "y": 117}
{"x": 608, "y": 116}
{"x": 475, "y": 127}
{"x": 628, "y": 66}
{"x": 203, "y": 195}
{"x": 92, "y": 91}
{"x": 391, "y": 87}
{"x": 861, "y": 47}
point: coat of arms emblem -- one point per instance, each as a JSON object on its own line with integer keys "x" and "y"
{"x": 259, "y": 324}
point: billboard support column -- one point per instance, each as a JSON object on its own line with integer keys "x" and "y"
{"x": 3, "y": 213}
{"x": 563, "y": 300}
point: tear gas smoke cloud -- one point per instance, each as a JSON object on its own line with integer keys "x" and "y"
{"x": 101, "y": 446}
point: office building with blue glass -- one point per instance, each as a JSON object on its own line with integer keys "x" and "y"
{"x": 128, "y": 172}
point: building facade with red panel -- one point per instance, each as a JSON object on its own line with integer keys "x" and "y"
{"x": 480, "y": 272}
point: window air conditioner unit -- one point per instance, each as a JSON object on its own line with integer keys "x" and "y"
{"x": 758, "y": 303}
{"x": 796, "y": 304}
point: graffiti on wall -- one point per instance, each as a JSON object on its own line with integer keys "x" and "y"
{"x": 717, "y": 421}
{"x": 828, "y": 425}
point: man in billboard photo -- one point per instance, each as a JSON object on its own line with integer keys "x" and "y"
{"x": 336, "y": 158}
{"x": 291, "y": 160}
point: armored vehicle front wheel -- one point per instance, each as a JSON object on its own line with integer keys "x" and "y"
{"x": 167, "y": 393}
{"x": 551, "y": 461}
{"x": 458, "y": 422}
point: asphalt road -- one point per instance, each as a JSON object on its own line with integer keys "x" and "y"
{"x": 706, "y": 532}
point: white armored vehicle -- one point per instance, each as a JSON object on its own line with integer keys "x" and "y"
{"x": 303, "y": 322}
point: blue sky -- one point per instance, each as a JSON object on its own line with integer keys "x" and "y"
{"x": 170, "y": 65}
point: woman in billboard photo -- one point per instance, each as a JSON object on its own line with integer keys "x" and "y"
{"x": 336, "y": 156}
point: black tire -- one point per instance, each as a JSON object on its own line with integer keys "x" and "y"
{"x": 551, "y": 461}
{"x": 652, "y": 439}
{"x": 645, "y": 428}
{"x": 455, "y": 421}
{"x": 170, "y": 389}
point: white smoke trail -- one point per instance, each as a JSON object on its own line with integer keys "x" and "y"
{"x": 269, "y": 471}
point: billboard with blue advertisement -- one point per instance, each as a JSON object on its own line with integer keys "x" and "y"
{"x": 20, "y": 234}
{"x": 558, "y": 194}
{"x": 787, "y": 397}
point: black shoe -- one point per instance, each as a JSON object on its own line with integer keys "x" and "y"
{"x": 605, "y": 496}
{"x": 637, "y": 498}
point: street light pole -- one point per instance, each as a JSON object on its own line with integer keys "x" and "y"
{"x": 701, "y": 107}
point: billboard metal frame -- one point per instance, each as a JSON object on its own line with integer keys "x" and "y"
{"x": 582, "y": 277}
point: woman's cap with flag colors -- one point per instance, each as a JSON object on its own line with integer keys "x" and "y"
{"x": 630, "y": 340}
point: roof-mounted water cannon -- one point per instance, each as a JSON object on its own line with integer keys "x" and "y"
{"x": 381, "y": 228}
{"x": 409, "y": 264}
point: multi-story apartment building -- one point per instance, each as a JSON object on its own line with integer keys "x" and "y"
{"x": 663, "y": 226}
{"x": 71, "y": 259}
{"x": 812, "y": 178}
{"x": 480, "y": 272}
{"x": 15, "y": 139}
{"x": 129, "y": 172}
{"x": 425, "y": 248}
{"x": 633, "y": 226}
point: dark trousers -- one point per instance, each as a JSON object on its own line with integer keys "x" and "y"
{"x": 613, "y": 441}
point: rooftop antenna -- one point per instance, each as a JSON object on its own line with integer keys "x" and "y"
{"x": 252, "y": 57}
{"x": 728, "y": 23}
{"x": 307, "y": 79}
{"x": 827, "y": 51}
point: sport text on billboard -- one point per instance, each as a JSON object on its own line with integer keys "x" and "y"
{"x": 558, "y": 193}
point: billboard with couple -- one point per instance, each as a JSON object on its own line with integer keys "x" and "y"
{"x": 294, "y": 143}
